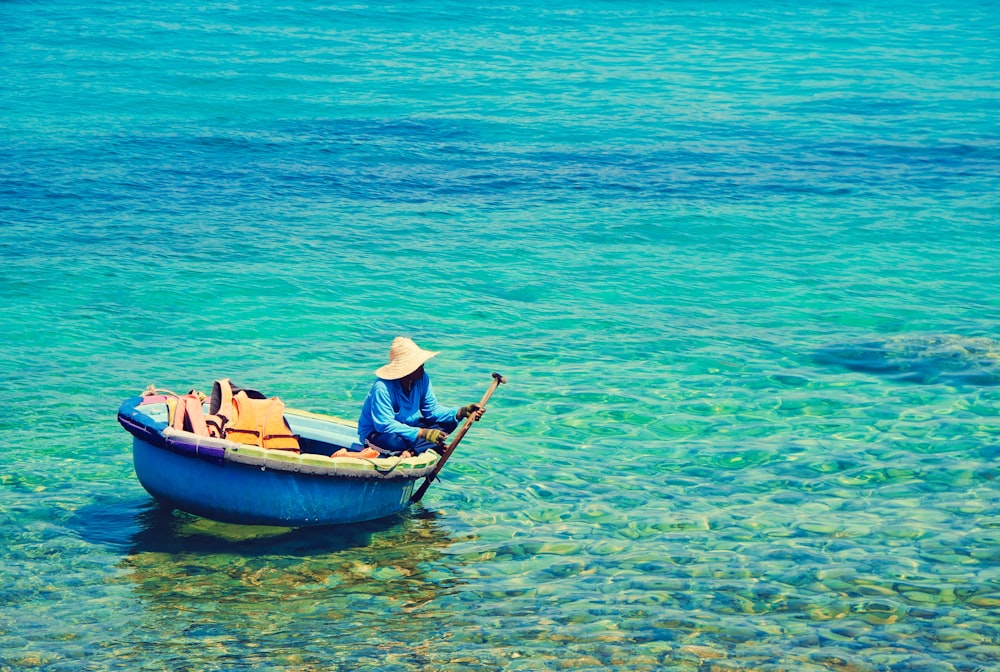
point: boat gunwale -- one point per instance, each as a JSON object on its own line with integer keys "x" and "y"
{"x": 224, "y": 452}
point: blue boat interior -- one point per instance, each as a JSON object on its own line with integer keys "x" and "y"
{"x": 322, "y": 436}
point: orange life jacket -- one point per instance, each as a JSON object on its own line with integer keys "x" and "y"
{"x": 189, "y": 416}
{"x": 220, "y": 409}
{"x": 247, "y": 416}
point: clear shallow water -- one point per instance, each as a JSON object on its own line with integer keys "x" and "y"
{"x": 738, "y": 263}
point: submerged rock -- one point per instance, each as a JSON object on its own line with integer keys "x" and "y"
{"x": 920, "y": 358}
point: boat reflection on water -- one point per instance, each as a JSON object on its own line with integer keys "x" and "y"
{"x": 237, "y": 586}
{"x": 399, "y": 543}
{"x": 162, "y": 530}
{"x": 258, "y": 593}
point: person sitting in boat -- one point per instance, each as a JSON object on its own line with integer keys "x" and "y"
{"x": 400, "y": 415}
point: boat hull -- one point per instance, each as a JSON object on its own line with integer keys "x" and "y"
{"x": 249, "y": 495}
{"x": 247, "y": 484}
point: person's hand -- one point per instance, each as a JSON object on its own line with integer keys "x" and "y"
{"x": 435, "y": 436}
{"x": 473, "y": 410}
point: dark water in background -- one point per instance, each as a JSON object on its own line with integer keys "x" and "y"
{"x": 739, "y": 264}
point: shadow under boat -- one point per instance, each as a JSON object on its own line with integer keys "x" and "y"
{"x": 145, "y": 526}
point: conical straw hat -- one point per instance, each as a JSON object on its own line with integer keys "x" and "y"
{"x": 405, "y": 357}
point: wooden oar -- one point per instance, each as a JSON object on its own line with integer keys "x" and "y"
{"x": 497, "y": 381}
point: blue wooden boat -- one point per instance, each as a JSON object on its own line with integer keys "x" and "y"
{"x": 238, "y": 483}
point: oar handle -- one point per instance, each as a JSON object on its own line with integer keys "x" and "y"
{"x": 498, "y": 380}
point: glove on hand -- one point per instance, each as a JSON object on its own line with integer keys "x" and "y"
{"x": 435, "y": 436}
{"x": 471, "y": 410}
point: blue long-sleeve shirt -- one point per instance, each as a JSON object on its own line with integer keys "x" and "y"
{"x": 388, "y": 409}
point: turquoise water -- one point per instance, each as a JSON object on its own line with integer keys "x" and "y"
{"x": 739, "y": 262}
